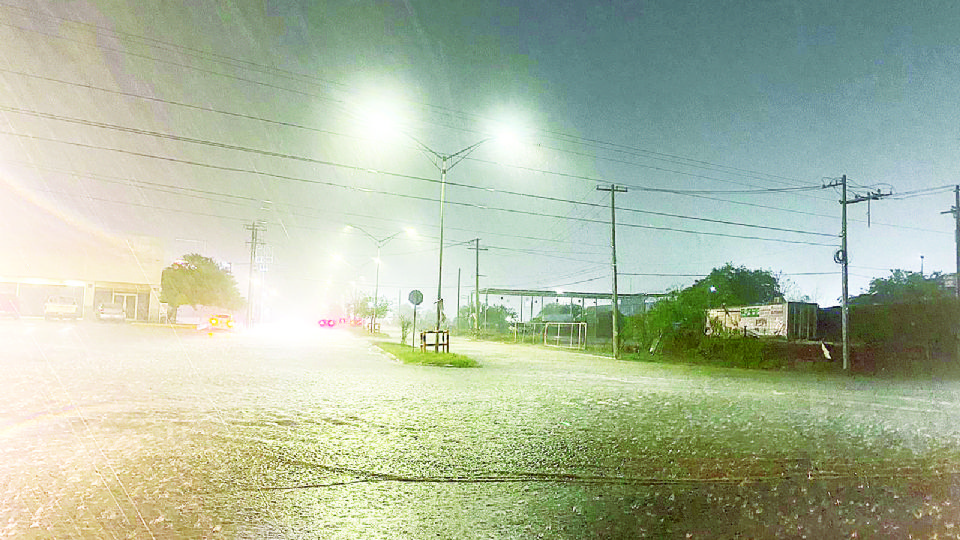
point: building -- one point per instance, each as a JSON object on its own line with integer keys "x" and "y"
{"x": 792, "y": 320}
{"x": 49, "y": 252}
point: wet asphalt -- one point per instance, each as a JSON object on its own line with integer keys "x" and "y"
{"x": 125, "y": 431}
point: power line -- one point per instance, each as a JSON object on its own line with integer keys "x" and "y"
{"x": 314, "y": 80}
{"x": 394, "y": 194}
{"x": 311, "y": 79}
{"x": 478, "y": 160}
{"x": 235, "y": 218}
{"x": 689, "y": 193}
{"x": 139, "y": 131}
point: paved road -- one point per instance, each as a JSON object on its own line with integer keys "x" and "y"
{"x": 117, "y": 431}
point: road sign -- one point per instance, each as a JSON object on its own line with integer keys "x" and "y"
{"x": 416, "y": 297}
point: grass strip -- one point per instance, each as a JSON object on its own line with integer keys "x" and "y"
{"x": 409, "y": 355}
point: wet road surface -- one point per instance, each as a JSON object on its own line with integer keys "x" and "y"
{"x": 121, "y": 431}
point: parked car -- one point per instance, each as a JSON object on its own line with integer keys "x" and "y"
{"x": 111, "y": 311}
{"x": 9, "y": 306}
{"x": 61, "y": 307}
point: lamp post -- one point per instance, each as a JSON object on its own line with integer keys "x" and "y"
{"x": 445, "y": 162}
{"x": 380, "y": 242}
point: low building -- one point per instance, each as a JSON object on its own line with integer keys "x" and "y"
{"x": 791, "y": 320}
{"x": 50, "y": 253}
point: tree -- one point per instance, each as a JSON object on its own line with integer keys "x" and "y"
{"x": 903, "y": 286}
{"x": 560, "y": 312}
{"x": 494, "y": 318}
{"x": 361, "y": 306}
{"x": 738, "y": 286}
{"x": 196, "y": 280}
{"x": 684, "y": 310}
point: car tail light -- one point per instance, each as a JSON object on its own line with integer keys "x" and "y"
{"x": 230, "y": 324}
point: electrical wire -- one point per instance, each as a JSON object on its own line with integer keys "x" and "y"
{"x": 689, "y": 193}
{"x": 312, "y": 79}
{"x": 394, "y": 194}
{"x": 268, "y": 153}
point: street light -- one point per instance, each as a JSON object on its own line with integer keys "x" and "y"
{"x": 381, "y": 118}
{"x": 380, "y": 242}
{"x": 445, "y": 162}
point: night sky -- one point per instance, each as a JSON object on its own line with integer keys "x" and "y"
{"x": 187, "y": 120}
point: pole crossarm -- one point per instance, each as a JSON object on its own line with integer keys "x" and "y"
{"x": 380, "y": 242}
{"x": 451, "y": 160}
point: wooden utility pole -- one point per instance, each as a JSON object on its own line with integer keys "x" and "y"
{"x": 956, "y": 236}
{"x": 255, "y": 228}
{"x": 842, "y": 257}
{"x": 845, "y": 262}
{"x": 476, "y": 247}
{"x": 614, "y": 189}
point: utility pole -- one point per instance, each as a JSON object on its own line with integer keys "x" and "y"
{"x": 255, "y": 242}
{"x": 842, "y": 258}
{"x": 458, "y": 299}
{"x": 614, "y": 189}
{"x": 476, "y": 247}
{"x": 956, "y": 237}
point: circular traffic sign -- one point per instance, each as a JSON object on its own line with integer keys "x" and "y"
{"x": 416, "y": 297}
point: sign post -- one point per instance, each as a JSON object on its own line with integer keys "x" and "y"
{"x": 415, "y": 298}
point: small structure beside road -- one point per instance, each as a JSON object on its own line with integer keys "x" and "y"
{"x": 790, "y": 320}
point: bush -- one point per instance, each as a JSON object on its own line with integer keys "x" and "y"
{"x": 906, "y": 338}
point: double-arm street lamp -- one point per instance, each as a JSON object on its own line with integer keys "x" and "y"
{"x": 445, "y": 162}
{"x": 380, "y": 242}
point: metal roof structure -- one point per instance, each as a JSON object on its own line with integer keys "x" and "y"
{"x": 566, "y": 294}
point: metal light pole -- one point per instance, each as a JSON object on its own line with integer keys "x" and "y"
{"x": 445, "y": 162}
{"x": 380, "y": 242}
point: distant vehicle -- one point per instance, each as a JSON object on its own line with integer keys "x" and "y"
{"x": 111, "y": 311}
{"x": 9, "y": 306}
{"x": 61, "y": 307}
{"x": 221, "y": 322}
{"x": 332, "y": 323}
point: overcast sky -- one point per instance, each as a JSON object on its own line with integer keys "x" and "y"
{"x": 186, "y": 120}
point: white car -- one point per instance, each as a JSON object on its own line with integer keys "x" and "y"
{"x": 111, "y": 311}
{"x": 61, "y": 307}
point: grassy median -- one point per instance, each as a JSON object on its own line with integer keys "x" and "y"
{"x": 409, "y": 355}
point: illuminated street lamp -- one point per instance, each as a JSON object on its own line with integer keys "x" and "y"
{"x": 380, "y": 242}
{"x": 445, "y": 162}
{"x": 380, "y": 118}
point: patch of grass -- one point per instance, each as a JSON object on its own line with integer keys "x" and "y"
{"x": 409, "y": 355}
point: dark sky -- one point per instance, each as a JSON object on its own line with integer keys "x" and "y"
{"x": 705, "y": 98}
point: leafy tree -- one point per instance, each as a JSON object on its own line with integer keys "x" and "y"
{"x": 496, "y": 318}
{"x": 904, "y": 286}
{"x": 493, "y": 318}
{"x": 196, "y": 280}
{"x": 737, "y": 286}
{"x": 574, "y": 311}
{"x": 683, "y": 312}
{"x": 361, "y": 306}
